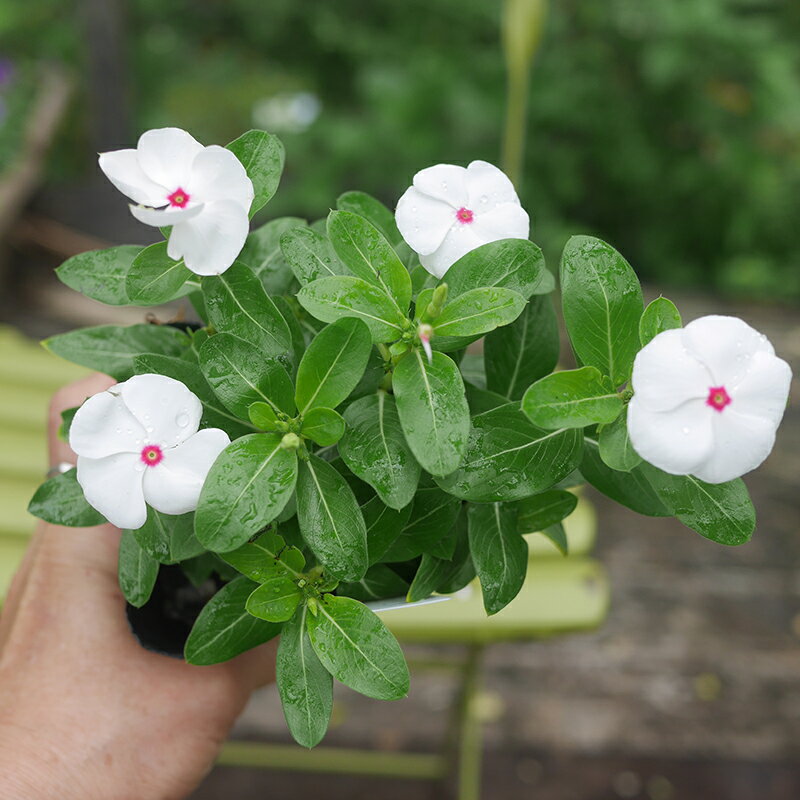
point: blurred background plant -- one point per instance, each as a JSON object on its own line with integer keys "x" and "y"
{"x": 670, "y": 128}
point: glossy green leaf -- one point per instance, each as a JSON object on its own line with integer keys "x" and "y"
{"x": 366, "y": 253}
{"x": 461, "y": 567}
{"x": 237, "y": 303}
{"x": 330, "y": 299}
{"x": 332, "y": 365}
{"x": 430, "y": 573}
{"x": 262, "y": 156}
{"x": 510, "y": 263}
{"x": 481, "y": 400}
{"x": 100, "y": 274}
{"x": 155, "y": 278}
{"x": 358, "y": 649}
{"x": 304, "y": 685}
{"x": 137, "y": 571}
{"x": 247, "y": 487}
{"x": 379, "y": 582}
{"x": 602, "y": 303}
{"x": 384, "y": 525}
{"x": 375, "y": 449}
{"x": 372, "y": 210}
{"x": 543, "y": 510}
{"x": 311, "y": 255}
{"x": 479, "y": 311}
{"x": 571, "y": 399}
{"x": 558, "y": 536}
{"x": 263, "y": 416}
{"x": 660, "y": 315}
{"x": 518, "y": 354}
{"x": 722, "y": 512}
{"x": 499, "y": 553}
{"x": 323, "y": 426}
{"x": 241, "y": 375}
{"x": 615, "y": 445}
{"x": 112, "y": 348}
{"x": 225, "y": 629}
{"x": 433, "y": 410}
{"x": 330, "y": 519}
{"x": 60, "y": 501}
{"x": 275, "y": 600}
{"x": 262, "y": 253}
{"x": 508, "y": 458}
{"x": 265, "y": 557}
{"x": 168, "y": 539}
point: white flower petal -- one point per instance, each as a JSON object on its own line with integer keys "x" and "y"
{"x": 423, "y": 221}
{"x": 458, "y": 242}
{"x": 507, "y": 221}
{"x": 113, "y": 486}
{"x": 166, "y": 156}
{"x": 665, "y": 374}
{"x": 162, "y": 217}
{"x": 210, "y": 242}
{"x": 764, "y": 390}
{"x": 741, "y": 443}
{"x": 444, "y": 182}
{"x": 165, "y": 408}
{"x": 122, "y": 168}
{"x": 173, "y": 486}
{"x": 218, "y": 175}
{"x": 725, "y": 345}
{"x": 488, "y": 187}
{"x": 103, "y": 425}
{"x": 676, "y": 440}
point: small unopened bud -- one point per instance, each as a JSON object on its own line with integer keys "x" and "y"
{"x": 425, "y": 332}
{"x": 291, "y": 441}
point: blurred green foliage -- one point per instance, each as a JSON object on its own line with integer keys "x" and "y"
{"x": 670, "y": 128}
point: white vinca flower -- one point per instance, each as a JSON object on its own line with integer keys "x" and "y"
{"x": 708, "y": 399}
{"x": 451, "y": 210}
{"x": 138, "y": 442}
{"x": 202, "y": 192}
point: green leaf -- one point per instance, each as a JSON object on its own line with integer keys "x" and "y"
{"x": 60, "y": 501}
{"x": 630, "y": 489}
{"x": 154, "y": 277}
{"x": 332, "y": 365}
{"x": 462, "y": 569}
{"x": 479, "y": 311}
{"x": 372, "y": 210}
{"x": 430, "y": 573}
{"x": 225, "y": 628}
{"x": 433, "y": 410}
{"x": 275, "y": 600}
{"x": 295, "y": 330}
{"x": 323, "y": 426}
{"x": 304, "y": 685}
{"x": 499, "y": 553}
{"x": 384, "y": 525}
{"x": 508, "y": 458}
{"x": 262, "y": 156}
{"x": 379, "y": 583}
{"x": 660, "y": 315}
{"x": 722, "y": 512}
{"x": 241, "y": 375}
{"x": 558, "y": 536}
{"x": 480, "y": 400}
{"x": 168, "y": 539}
{"x": 247, "y": 487}
{"x": 615, "y": 445}
{"x": 510, "y": 263}
{"x": 100, "y": 274}
{"x": 265, "y": 557}
{"x": 358, "y": 649}
{"x": 263, "y": 416}
{"x": 330, "y": 519}
{"x": 375, "y": 449}
{"x": 262, "y": 253}
{"x": 571, "y": 399}
{"x": 367, "y": 254}
{"x": 329, "y": 299}
{"x": 524, "y": 351}
{"x": 543, "y": 510}
{"x": 602, "y": 303}
{"x": 137, "y": 571}
{"x": 310, "y": 255}
{"x": 237, "y": 303}
{"x": 112, "y": 348}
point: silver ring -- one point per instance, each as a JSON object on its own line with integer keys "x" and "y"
{"x": 59, "y": 469}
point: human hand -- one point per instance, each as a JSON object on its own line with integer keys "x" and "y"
{"x": 85, "y": 711}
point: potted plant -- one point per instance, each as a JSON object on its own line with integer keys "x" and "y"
{"x": 314, "y": 442}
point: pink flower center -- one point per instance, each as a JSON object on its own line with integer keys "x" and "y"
{"x": 178, "y": 199}
{"x": 465, "y": 216}
{"x": 151, "y": 455}
{"x": 718, "y": 398}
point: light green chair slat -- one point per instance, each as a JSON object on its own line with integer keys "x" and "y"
{"x": 23, "y": 362}
{"x": 23, "y": 453}
{"x": 24, "y": 407}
